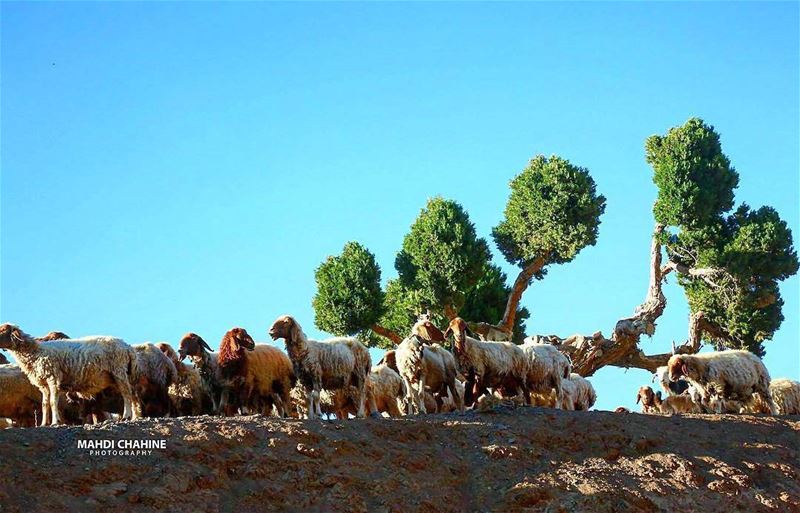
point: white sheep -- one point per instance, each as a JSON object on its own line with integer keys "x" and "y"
{"x": 547, "y": 369}
{"x": 425, "y": 368}
{"x": 578, "y": 393}
{"x": 187, "y": 394}
{"x": 733, "y": 374}
{"x": 331, "y": 364}
{"x": 156, "y": 373}
{"x": 385, "y": 392}
{"x": 786, "y": 394}
{"x": 485, "y": 364}
{"x": 19, "y": 399}
{"x": 83, "y": 366}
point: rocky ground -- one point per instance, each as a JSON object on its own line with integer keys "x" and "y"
{"x": 525, "y": 459}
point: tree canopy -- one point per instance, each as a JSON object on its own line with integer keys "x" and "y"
{"x": 443, "y": 268}
{"x": 729, "y": 263}
{"x": 553, "y": 212}
{"x": 728, "y": 260}
{"x": 349, "y": 298}
{"x": 442, "y": 257}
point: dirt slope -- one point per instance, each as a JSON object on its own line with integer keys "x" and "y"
{"x": 527, "y": 459}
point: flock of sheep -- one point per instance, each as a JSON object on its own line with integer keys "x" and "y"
{"x": 731, "y": 381}
{"x": 59, "y": 380}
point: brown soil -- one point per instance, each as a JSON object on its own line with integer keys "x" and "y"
{"x": 528, "y": 459}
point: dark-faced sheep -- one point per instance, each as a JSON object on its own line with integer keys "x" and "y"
{"x": 205, "y": 361}
{"x": 258, "y": 376}
{"x": 83, "y": 366}
{"x": 332, "y": 364}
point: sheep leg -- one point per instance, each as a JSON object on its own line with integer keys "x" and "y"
{"x": 127, "y": 397}
{"x": 223, "y": 402}
{"x": 410, "y": 397}
{"x": 766, "y": 397}
{"x": 53, "y": 386}
{"x": 421, "y": 394}
{"x": 45, "y": 391}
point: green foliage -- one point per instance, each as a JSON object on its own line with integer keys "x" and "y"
{"x": 401, "y": 308}
{"x": 349, "y": 297}
{"x": 487, "y": 301}
{"x": 553, "y": 212}
{"x": 442, "y": 257}
{"x": 749, "y": 251}
{"x": 695, "y": 179}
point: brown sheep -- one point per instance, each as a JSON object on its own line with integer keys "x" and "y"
{"x": 53, "y": 335}
{"x": 259, "y": 376}
{"x": 648, "y": 399}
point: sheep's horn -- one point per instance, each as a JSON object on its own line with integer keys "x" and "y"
{"x": 673, "y": 347}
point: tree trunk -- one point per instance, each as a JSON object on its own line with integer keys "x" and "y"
{"x": 391, "y": 335}
{"x": 589, "y": 353}
{"x": 520, "y": 285}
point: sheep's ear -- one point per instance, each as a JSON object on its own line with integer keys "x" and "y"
{"x": 294, "y": 329}
{"x": 638, "y": 398}
{"x": 684, "y": 369}
{"x": 448, "y": 332}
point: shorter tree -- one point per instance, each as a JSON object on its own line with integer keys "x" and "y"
{"x": 552, "y": 214}
{"x": 349, "y": 298}
{"x": 442, "y": 257}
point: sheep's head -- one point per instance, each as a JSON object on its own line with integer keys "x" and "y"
{"x": 168, "y": 351}
{"x": 54, "y": 335}
{"x": 192, "y": 345}
{"x": 237, "y": 339}
{"x": 621, "y": 409}
{"x": 428, "y": 331}
{"x": 390, "y": 360}
{"x": 646, "y": 396}
{"x": 678, "y": 366}
{"x": 285, "y": 327}
{"x": 458, "y": 329}
{"x": 10, "y": 336}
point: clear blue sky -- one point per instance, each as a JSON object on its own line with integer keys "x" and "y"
{"x": 185, "y": 167}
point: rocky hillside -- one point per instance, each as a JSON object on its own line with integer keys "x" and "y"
{"x": 527, "y": 459}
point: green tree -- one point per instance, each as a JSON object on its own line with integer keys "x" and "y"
{"x": 349, "y": 298}
{"x": 552, "y": 213}
{"x": 729, "y": 263}
{"x": 444, "y": 269}
{"x": 442, "y": 257}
